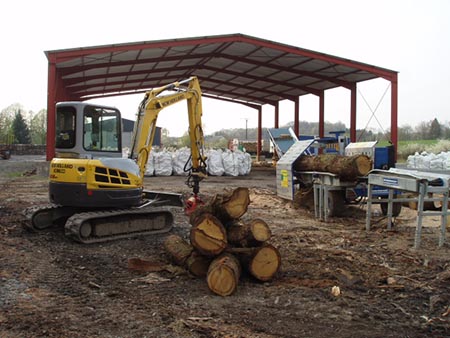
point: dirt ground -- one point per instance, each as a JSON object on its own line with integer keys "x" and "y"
{"x": 53, "y": 287}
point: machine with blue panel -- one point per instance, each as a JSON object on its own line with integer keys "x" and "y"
{"x": 332, "y": 190}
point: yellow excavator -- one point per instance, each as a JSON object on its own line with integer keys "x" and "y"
{"x": 99, "y": 195}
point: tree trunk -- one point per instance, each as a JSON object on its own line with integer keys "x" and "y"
{"x": 223, "y": 275}
{"x": 197, "y": 264}
{"x": 262, "y": 262}
{"x": 346, "y": 167}
{"x": 178, "y": 249}
{"x": 249, "y": 234}
{"x": 226, "y": 207}
{"x": 208, "y": 235}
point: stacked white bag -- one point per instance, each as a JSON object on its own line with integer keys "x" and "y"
{"x": 214, "y": 164}
{"x": 163, "y": 163}
{"x": 218, "y": 163}
{"x": 230, "y": 163}
{"x": 150, "y": 167}
{"x": 431, "y": 161}
{"x": 179, "y": 160}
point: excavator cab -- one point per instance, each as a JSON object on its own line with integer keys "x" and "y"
{"x": 84, "y": 130}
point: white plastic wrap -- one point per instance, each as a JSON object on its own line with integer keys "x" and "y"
{"x": 150, "y": 167}
{"x": 163, "y": 163}
{"x": 214, "y": 163}
{"x": 248, "y": 162}
{"x": 230, "y": 163}
{"x": 411, "y": 161}
{"x": 180, "y": 157}
{"x": 244, "y": 161}
{"x": 431, "y": 161}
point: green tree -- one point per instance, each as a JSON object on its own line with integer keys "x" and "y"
{"x": 38, "y": 127}
{"x": 6, "y": 118}
{"x": 435, "y": 130}
{"x": 405, "y": 132}
{"x": 20, "y": 130}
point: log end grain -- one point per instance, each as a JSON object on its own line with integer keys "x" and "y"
{"x": 363, "y": 165}
{"x": 265, "y": 263}
{"x": 198, "y": 264}
{"x": 178, "y": 249}
{"x": 237, "y": 203}
{"x": 223, "y": 275}
{"x": 260, "y": 230}
{"x": 208, "y": 235}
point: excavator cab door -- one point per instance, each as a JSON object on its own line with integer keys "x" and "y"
{"x": 86, "y": 130}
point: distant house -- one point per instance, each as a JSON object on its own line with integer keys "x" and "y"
{"x": 127, "y": 133}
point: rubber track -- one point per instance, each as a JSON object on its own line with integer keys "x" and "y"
{"x": 55, "y": 210}
{"x": 74, "y": 223}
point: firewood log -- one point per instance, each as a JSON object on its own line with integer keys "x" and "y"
{"x": 223, "y": 275}
{"x": 346, "y": 167}
{"x": 262, "y": 262}
{"x": 253, "y": 233}
{"x": 198, "y": 264}
{"x": 178, "y": 249}
{"x": 208, "y": 235}
{"x": 226, "y": 207}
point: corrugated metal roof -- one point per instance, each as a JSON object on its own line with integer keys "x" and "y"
{"x": 234, "y": 67}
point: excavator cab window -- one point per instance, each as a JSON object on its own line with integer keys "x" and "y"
{"x": 65, "y": 127}
{"x": 101, "y": 129}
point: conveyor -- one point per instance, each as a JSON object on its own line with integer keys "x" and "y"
{"x": 424, "y": 184}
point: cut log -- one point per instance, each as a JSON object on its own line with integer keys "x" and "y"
{"x": 235, "y": 204}
{"x": 346, "y": 167}
{"x": 208, "y": 235}
{"x": 262, "y": 262}
{"x": 197, "y": 264}
{"x": 250, "y": 234}
{"x": 223, "y": 275}
{"x": 226, "y": 207}
{"x": 178, "y": 249}
{"x": 145, "y": 265}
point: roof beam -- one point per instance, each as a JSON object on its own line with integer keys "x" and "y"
{"x": 338, "y": 82}
{"x": 266, "y": 79}
{"x": 385, "y": 73}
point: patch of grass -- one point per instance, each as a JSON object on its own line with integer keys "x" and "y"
{"x": 14, "y": 174}
{"x": 406, "y": 148}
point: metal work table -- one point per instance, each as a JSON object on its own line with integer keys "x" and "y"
{"x": 423, "y": 184}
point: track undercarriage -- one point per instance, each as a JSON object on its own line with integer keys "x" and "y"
{"x": 87, "y": 225}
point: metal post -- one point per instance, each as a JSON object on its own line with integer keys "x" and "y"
{"x": 316, "y": 200}
{"x": 369, "y": 206}
{"x": 389, "y": 208}
{"x": 422, "y": 190}
{"x": 325, "y": 203}
{"x": 443, "y": 219}
{"x": 320, "y": 201}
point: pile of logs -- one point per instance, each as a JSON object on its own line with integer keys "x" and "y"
{"x": 223, "y": 245}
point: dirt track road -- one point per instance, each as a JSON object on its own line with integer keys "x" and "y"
{"x": 53, "y": 287}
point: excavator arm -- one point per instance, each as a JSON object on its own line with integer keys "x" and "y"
{"x": 145, "y": 127}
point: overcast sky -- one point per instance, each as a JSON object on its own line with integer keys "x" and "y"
{"x": 408, "y": 36}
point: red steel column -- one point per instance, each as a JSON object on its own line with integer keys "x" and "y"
{"x": 259, "y": 145}
{"x": 296, "y": 114}
{"x": 394, "y": 113}
{"x": 277, "y": 115}
{"x": 322, "y": 114}
{"x": 353, "y": 113}
{"x": 51, "y": 110}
